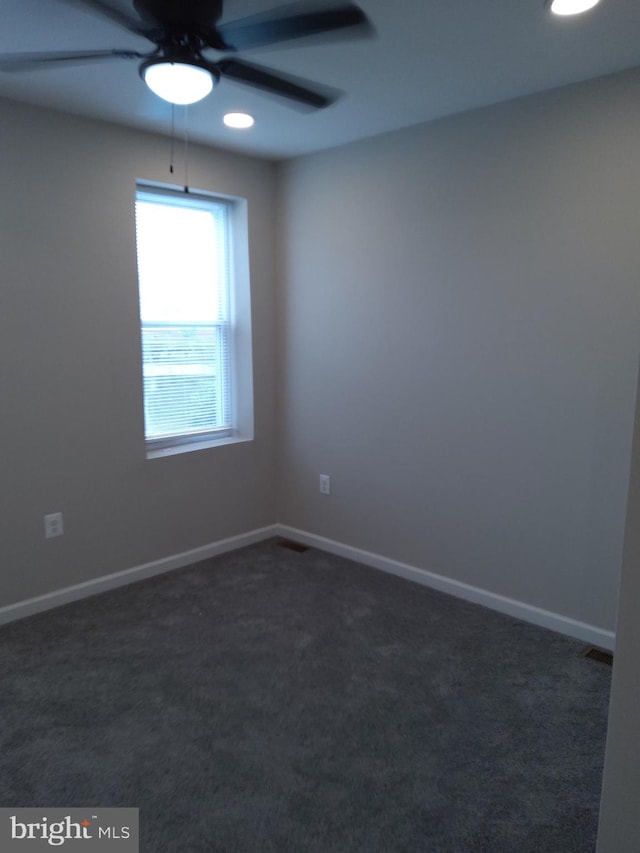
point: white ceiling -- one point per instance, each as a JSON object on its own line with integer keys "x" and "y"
{"x": 428, "y": 58}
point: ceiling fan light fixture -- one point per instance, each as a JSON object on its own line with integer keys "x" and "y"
{"x": 238, "y": 121}
{"x": 177, "y": 82}
{"x": 571, "y": 7}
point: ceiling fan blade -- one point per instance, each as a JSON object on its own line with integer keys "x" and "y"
{"x": 27, "y": 61}
{"x": 265, "y": 29}
{"x": 115, "y": 13}
{"x": 278, "y": 84}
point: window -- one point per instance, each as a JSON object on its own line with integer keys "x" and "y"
{"x": 194, "y": 317}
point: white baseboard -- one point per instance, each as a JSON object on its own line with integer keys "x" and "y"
{"x": 30, "y": 606}
{"x": 528, "y": 613}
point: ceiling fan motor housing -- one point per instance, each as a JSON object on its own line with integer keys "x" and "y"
{"x": 192, "y": 13}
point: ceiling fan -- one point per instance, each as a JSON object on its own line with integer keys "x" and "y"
{"x": 181, "y": 31}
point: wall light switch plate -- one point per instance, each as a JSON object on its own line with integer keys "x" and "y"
{"x": 325, "y": 484}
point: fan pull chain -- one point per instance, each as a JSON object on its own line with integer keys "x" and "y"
{"x": 186, "y": 149}
{"x": 173, "y": 135}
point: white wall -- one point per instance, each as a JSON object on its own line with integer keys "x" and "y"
{"x": 71, "y": 428}
{"x": 460, "y": 314}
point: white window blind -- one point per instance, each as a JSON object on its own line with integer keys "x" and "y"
{"x": 184, "y": 279}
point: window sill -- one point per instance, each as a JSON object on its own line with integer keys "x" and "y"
{"x": 189, "y": 447}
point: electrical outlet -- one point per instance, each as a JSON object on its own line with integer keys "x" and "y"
{"x": 53, "y": 525}
{"x": 325, "y": 484}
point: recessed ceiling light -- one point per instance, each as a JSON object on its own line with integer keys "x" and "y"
{"x": 238, "y": 120}
{"x": 572, "y": 7}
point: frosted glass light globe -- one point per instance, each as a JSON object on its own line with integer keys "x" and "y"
{"x": 178, "y": 82}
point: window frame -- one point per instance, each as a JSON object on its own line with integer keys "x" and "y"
{"x": 236, "y": 325}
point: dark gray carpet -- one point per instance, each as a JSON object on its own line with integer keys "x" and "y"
{"x": 273, "y": 701}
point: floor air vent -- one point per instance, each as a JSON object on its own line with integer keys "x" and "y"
{"x": 598, "y": 655}
{"x": 292, "y": 546}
